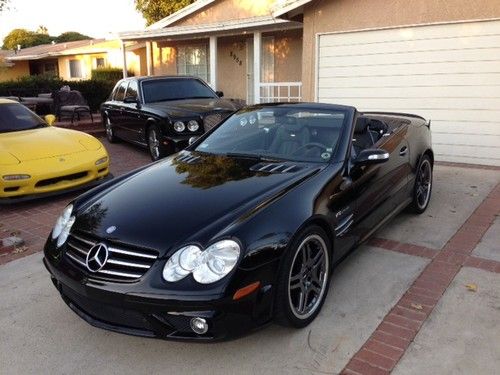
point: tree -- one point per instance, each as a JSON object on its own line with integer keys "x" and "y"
{"x": 3, "y": 4}
{"x": 71, "y": 36}
{"x": 42, "y": 30}
{"x": 155, "y": 10}
{"x": 24, "y": 38}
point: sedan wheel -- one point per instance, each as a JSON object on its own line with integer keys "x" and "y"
{"x": 110, "y": 133}
{"x": 423, "y": 186}
{"x": 303, "y": 288}
{"x": 156, "y": 149}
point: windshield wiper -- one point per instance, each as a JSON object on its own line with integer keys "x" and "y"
{"x": 253, "y": 156}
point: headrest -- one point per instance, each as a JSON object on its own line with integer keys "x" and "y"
{"x": 291, "y": 124}
{"x": 361, "y": 124}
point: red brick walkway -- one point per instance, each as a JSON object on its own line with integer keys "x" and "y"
{"x": 33, "y": 221}
{"x": 385, "y": 347}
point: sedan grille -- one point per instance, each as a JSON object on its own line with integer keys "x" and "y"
{"x": 122, "y": 264}
{"x": 214, "y": 119}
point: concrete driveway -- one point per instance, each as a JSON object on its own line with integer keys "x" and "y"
{"x": 399, "y": 306}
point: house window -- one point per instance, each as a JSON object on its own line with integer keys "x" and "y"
{"x": 193, "y": 61}
{"x": 99, "y": 62}
{"x": 75, "y": 69}
{"x": 50, "y": 69}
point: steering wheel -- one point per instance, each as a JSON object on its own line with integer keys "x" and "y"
{"x": 310, "y": 145}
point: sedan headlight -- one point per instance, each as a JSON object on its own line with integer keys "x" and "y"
{"x": 179, "y": 126}
{"x": 207, "y": 266}
{"x": 193, "y": 126}
{"x": 63, "y": 226}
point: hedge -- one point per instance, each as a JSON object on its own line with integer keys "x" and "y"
{"x": 109, "y": 74}
{"x": 95, "y": 91}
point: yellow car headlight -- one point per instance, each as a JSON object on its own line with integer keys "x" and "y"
{"x": 16, "y": 177}
{"x": 101, "y": 160}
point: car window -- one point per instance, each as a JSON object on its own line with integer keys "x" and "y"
{"x": 132, "y": 90}
{"x": 158, "y": 90}
{"x": 120, "y": 93}
{"x": 282, "y": 132}
{"x": 16, "y": 117}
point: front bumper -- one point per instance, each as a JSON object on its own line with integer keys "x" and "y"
{"x": 151, "y": 314}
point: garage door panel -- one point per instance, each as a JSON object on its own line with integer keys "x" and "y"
{"x": 463, "y": 81}
{"x": 467, "y": 151}
{"x": 387, "y": 47}
{"x": 460, "y": 31}
{"x": 467, "y": 127}
{"x": 408, "y": 57}
{"x": 466, "y": 159}
{"x": 327, "y": 65}
{"x": 477, "y": 140}
{"x": 413, "y": 92}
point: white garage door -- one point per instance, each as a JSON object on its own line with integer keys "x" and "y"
{"x": 447, "y": 73}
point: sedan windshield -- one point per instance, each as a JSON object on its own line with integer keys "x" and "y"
{"x": 175, "y": 89}
{"x": 278, "y": 132}
{"x": 16, "y": 117}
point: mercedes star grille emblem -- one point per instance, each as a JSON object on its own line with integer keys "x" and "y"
{"x": 97, "y": 257}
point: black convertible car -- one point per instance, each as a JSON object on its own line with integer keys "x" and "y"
{"x": 162, "y": 113}
{"x": 243, "y": 227}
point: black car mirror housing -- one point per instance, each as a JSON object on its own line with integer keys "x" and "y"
{"x": 132, "y": 100}
{"x": 220, "y": 94}
{"x": 372, "y": 156}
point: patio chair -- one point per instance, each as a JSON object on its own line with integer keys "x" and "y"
{"x": 70, "y": 103}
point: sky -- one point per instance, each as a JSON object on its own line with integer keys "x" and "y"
{"x": 96, "y": 18}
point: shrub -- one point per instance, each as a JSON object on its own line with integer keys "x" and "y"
{"x": 109, "y": 74}
{"x": 95, "y": 91}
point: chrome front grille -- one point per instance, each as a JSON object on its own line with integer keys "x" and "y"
{"x": 122, "y": 264}
{"x": 214, "y": 119}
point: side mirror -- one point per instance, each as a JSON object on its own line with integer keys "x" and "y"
{"x": 50, "y": 119}
{"x": 372, "y": 156}
{"x": 192, "y": 140}
{"x": 132, "y": 100}
{"x": 220, "y": 94}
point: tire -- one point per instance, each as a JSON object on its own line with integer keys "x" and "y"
{"x": 302, "y": 288}
{"x": 422, "y": 189}
{"x": 110, "y": 133}
{"x": 155, "y": 147}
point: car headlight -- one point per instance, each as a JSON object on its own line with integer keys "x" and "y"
{"x": 101, "y": 160}
{"x": 179, "y": 126}
{"x": 193, "y": 126}
{"x": 207, "y": 266}
{"x": 63, "y": 226}
{"x": 16, "y": 177}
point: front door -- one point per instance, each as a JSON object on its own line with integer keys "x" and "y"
{"x": 250, "y": 80}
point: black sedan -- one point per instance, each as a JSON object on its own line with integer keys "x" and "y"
{"x": 242, "y": 228}
{"x": 162, "y": 113}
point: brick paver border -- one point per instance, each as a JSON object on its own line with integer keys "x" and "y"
{"x": 387, "y": 344}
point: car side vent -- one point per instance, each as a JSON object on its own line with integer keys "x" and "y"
{"x": 275, "y": 167}
{"x": 188, "y": 158}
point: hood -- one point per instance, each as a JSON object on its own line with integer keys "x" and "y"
{"x": 46, "y": 143}
{"x": 173, "y": 201}
{"x": 194, "y": 107}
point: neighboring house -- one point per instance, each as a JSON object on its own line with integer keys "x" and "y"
{"x": 69, "y": 61}
{"x": 439, "y": 59}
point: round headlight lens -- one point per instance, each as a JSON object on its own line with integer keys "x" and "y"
{"x": 63, "y": 226}
{"x": 62, "y": 221}
{"x": 179, "y": 126}
{"x": 207, "y": 266}
{"x": 193, "y": 126}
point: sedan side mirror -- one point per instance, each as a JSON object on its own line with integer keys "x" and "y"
{"x": 132, "y": 100}
{"x": 220, "y": 94}
{"x": 50, "y": 119}
{"x": 372, "y": 156}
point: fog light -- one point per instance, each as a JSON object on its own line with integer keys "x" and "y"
{"x": 101, "y": 160}
{"x": 199, "y": 326}
{"x": 16, "y": 177}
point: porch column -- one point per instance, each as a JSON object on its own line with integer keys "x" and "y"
{"x": 124, "y": 57}
{"x": 149, "y": 59}
{"x": 213, "y": 62}
{"x": 257, "y": 47}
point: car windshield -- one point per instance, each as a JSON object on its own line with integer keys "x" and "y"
{"x": 278, "y": 132}
{"x": 159, "y": 90}
{"x": 16, "y": 117}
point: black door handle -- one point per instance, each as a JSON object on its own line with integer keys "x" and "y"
{"x": 403, "y": 151}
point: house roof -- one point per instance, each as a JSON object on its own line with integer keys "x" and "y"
{"x": 51, "y": 50}
{"x": 288, "y": 6}
{"x": 222, "y": 27}
{"x": 180, "y": 14}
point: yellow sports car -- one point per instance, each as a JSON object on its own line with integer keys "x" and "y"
{"x": 37, "y": 159}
